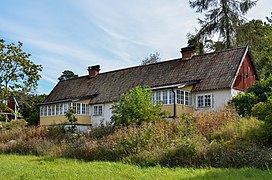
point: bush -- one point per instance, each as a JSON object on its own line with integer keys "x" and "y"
{"x": 136, "y": 107}
{"x": 244, "y": 103}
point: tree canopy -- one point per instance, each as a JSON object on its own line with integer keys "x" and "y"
{"x": 222, "y": 17}
{"x": 67, "y": 74}
{"x": 153, "y": 58}
{"x": 17, "y": 72}
{"x": 259, "y": 35}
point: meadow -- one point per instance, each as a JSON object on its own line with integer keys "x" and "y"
{"x": 33, "y": 167}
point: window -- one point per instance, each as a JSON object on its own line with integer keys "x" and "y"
{"x": 65, "y": 107}
{"x": 180, "y": 97}
{"x": 78, "y": 108}
{"x": 204, "y": 101}
{"x": 49, "y": 110}
{"x": 57, "y": 109}
{"x": 41, "y": 111}
{"x": 171, "y": 97}
{"x": 97, "y": 110}
{"x": 60, "y": 109}
{"x": 158, "y": 97}
{"x": 165, "y": 97}
{"x": 84, "y": 109}
{"x": 188, "y": 98}
{"x": 87, "y": 109}
{"x": 53, "y": 110}
{"x": 45, "y": 111}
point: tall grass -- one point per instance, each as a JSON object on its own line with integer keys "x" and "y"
{"x": 218, "y": 139}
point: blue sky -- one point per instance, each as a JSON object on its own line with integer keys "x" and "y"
{"x": 75, "y": 34}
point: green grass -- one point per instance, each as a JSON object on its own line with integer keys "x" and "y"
{"x": 31, "y": 167}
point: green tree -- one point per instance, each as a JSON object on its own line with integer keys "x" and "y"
{"x": 28, "y": 108}
{"x": 67, "y": 74}
{"x": 153, "y": 58}
{"x": 269, "y": 19}
{"x": 259, "y": 35}
{"x": 17, "y": 72}
{"x": 135, "y": 107}
{"x": 221, "y": 16}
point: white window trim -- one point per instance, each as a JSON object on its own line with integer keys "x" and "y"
{"x": 97, "y": 105}
{"x": 204, "y": 107}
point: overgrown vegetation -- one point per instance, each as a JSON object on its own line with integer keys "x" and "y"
{"x": 217, "y": 139}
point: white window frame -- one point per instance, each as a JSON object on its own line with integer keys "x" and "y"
{"x": 97, "y": 110}
{"x": 204, "y": 99}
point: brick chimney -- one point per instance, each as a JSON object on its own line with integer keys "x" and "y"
{"x": 187, "y": 52}
{"x": 94, "y": 70}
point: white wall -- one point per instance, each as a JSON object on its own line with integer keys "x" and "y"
{"x": 105, "y": 117}
{"x": 220, "y": 98}
{"x": 235, "y": 92}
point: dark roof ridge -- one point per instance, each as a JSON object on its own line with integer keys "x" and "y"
{"x": 224, "y": 50}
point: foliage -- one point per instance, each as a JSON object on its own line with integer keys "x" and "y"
{"x": 70, "y": 116}
{"x": 67, "y": 74}
{"x": 135, "y": 107}
{"x": 244, "y": 103}
{"x": 28, "y": 106}
{"x": 189, "y": 142}
{"x": 259, "y": 35}
{"x": 15, "y": 124}
{"x": 153, "y": 58}
{"x": 221, "y": 17}
{"x": 269, "y": 19}
{"x": 259, "y": 92}
{"x": 262, "y": 89}
{"x": 17, "y": 71}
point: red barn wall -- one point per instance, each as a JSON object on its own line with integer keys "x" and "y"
{"x": 246, "y": 76}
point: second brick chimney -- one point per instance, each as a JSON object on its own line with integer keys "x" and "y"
{"x": 94, "y": 70}
{"x": 188, "y": 52}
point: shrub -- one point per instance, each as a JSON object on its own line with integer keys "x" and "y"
{"x": 244, "y": 103}
{"x": 136, "y": 107}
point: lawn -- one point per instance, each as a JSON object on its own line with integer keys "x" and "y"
{"x": 31, "y": 167}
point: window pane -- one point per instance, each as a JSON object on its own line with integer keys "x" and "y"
{"x": 182, "y": 97}
{"x": 188, "y": 98}
{"x": 207, "y": 100}
{"x": 49, "y": 110}
{"x": 171, "y": 97}
{"x": 41, "y": 111}
{"x": 45, "y": 110}
{"x": 87, "y": 109}
{"x": 78, "y": 108}
{"x": 165, "y": 97}
{"x": 158, "y": 97}
{"x": 178, "y": 97}
{"x": 65, "y": 107}
{"x": 200, "y": 101}
{"x": 100, "y": 110}
{"x": 53, "y": 110}
{"x": 83, "y": 109}
{"x": 61, "y": 109}
{"x": 57, "y": 109}
{"x": 95, "y": 111}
